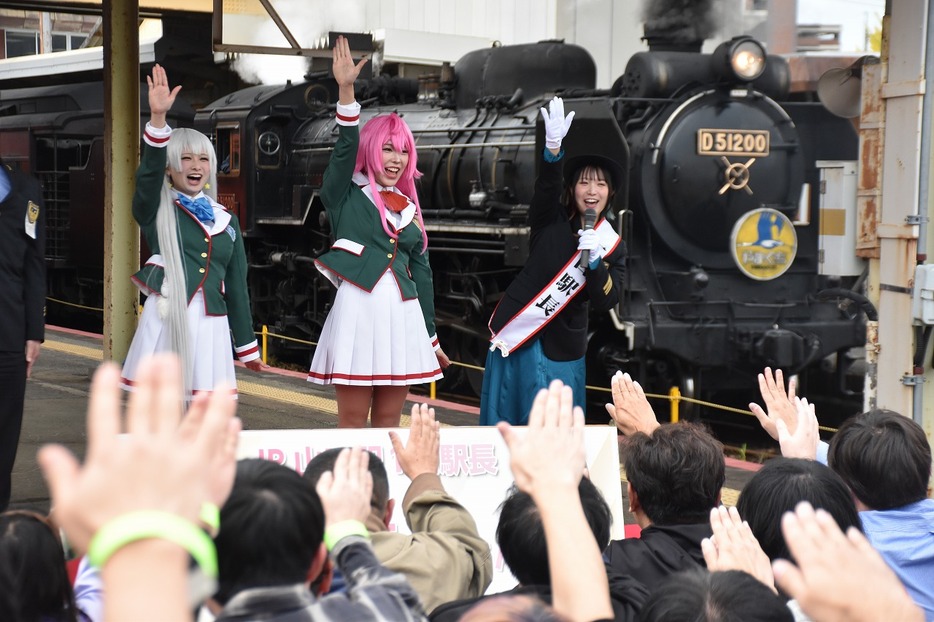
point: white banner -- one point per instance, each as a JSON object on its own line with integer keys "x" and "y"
{"x": 474, "y": 470}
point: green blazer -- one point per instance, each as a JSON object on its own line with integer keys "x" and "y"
{"x": 362, "y": 251}
{"x": 215, "y": 259}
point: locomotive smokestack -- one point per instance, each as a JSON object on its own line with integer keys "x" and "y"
{"x": 678, "y": 25}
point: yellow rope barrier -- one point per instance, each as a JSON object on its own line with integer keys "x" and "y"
{"x": 72, "y": 304}
{"x": 674, "y": 396}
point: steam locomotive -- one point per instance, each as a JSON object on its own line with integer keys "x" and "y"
{"x": 719, "y": 212}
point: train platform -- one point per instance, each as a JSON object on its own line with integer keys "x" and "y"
{"x": 56, "y": 402}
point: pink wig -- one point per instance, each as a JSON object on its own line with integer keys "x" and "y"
{"x": 376, "y": 133}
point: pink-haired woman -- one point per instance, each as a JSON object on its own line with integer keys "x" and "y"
{"x": 379, "y": 337}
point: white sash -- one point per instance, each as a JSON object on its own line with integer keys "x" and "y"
{"x": 543, "y": 308}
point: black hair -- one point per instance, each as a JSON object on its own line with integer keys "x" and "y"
{"x": 591, "y": 169}
{"x": 779, "y": 486}
{"x": 271, "y": 527}
{"x": 696, "y": 595}
{"x": 883, "y": 457}
{"x": 677, "y": 471}
{"x": 35, "y": 567}
{"x": 324, "y": 462}
{"x": 521, "y": 535}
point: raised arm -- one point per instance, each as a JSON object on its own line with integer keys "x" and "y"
{"x": 374, "y": 591}
{"x": 838, "y": 576}
{"x": 445, "y": 539}
{"x": 135, "y": 502}
{"x": 545, "y": 207}
{"x": 151, "y": 172}
{"x": 337, "y": 178}
{"x": 547, "y": 463}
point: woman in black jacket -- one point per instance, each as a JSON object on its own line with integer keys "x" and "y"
{"x": 539, "y": 328}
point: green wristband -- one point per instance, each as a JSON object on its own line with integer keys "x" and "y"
{"x": 210, "y": 516}
{"x": 338, "y": 531}
{"x": 147, "y": 524}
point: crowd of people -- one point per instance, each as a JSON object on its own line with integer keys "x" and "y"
{"x": 170, "y": 526}
{"x": 167, "y": 504}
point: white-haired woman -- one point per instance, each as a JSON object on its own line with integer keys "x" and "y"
{"x": 196, "y": 278}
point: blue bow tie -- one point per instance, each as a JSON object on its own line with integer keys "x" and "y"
{"x": 200, "y": 207}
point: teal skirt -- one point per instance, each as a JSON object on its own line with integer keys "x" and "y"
{"x": 511, "y": 383}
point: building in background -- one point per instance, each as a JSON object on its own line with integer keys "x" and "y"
{"x": 24, "y": 33}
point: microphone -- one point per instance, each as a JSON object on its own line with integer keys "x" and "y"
{"x": 590, "y": 219}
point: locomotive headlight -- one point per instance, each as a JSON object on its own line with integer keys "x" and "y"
{"x": 748, "y": 60}
{"x": 740, "y": 59}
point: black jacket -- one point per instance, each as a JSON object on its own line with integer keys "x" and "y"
{"x": 552, "y": 243}
{"x": 660, "y": 551}
{"x": 22, "y": 263}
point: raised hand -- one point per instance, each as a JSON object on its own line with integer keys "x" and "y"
{"x": 345, "y": 492}
{"x": 156, "y": 466}
{"x": 779, "y": 405}
{"x": 734, "y": 547}
{"x": 223, "y": 465}
{"x": 161, "y": 96}
{"x": 551, "y": 452}
{"x": 802, "y": 443}
{"x": 830, "y": 579}
{"x": 556, "y": 123}
{"x": 421, "y": 452}
{"x": 630, "y": 409}
{"x": 343, "y": 67}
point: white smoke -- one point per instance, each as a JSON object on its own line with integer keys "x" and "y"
{"x": 309, "y": 22}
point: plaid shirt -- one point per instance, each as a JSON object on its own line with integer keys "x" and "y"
{"x": 373, "y": 593}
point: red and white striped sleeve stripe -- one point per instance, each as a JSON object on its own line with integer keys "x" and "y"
{"x": 157, "y": 136}
{"x": 348, "y": 115}
{"x": 249, "y": 352}
{"x": 435, "y": 344}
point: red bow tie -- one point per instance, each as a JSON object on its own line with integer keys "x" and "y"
{"x": 393, "y": 200}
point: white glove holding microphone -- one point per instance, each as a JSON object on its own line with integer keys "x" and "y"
{"x": 556, "y": 124}
{"x": 589, "y": 242}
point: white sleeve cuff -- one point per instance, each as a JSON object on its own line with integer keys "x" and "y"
{"x": 156, "y": 136}
{"x": 249, "y": 352}
{"x": 435, "y": 343}
{"x": 348, "y": 115}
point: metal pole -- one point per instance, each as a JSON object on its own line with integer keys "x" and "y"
{"x": 121, "y": 156}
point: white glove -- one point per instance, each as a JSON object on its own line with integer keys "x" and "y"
{"x": 589, "y": 242}
{"x": 556, "y": 124}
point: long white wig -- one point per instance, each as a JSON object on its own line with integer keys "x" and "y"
{"x": 175, "y": 286}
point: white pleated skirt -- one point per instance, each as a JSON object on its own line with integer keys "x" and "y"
{"x": 210, "y": 345}
{"x": 374, "y": 338}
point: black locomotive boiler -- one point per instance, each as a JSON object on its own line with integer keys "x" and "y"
{"x": 719, "y": 214}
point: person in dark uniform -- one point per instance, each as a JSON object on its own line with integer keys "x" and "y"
{"x": 22, "y": 305}
{"x": 576, "y": 259}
